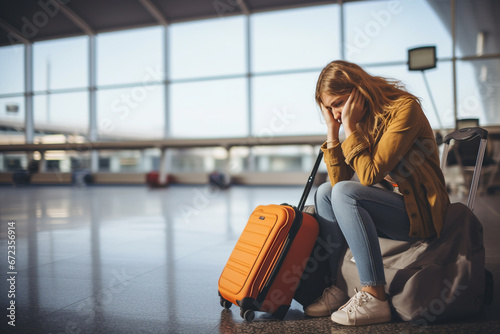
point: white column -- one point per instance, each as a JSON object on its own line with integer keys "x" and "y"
{"x": 42, "y": 165}
{"x": 165, "y": 165}
{"x": 145, "y": 162}
{"x": 114, "y": 164}
{"x": 167, "y": 130}
{"x": 28, "y": 93}
{"x": 93, "y": 130}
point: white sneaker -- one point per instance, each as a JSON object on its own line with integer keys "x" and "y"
{"x": 362, "y": 309}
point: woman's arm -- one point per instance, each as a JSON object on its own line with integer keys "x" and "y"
{"x": 399, "y": 136}
{"x": 333, "y": 155}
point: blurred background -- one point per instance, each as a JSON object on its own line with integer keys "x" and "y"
{"x": 135, "y": 70}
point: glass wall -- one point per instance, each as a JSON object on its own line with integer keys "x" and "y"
{"x": 304, "y": 38}
{"x": 60, "y": 80}
{"x": 383, "y": 31}
{"x": 130, "y": 57}
{"x": 207, "y": 48}
{"x": 12, "y": 113}
{"x": 243, "y": 76}
{"x": 478, "y": 73}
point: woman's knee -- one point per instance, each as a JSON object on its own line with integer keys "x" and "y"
{"x": 324, "y": 191}
{"x": 344, "y": 191}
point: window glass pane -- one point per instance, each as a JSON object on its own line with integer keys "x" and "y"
{"x": 478, "y": 86}
{"x": 131, "y": 113}
{"x": 65, "y": 113}
{"x": 440, "y": 82}
{"x": 385, "y": 30}
{"x": 285, "y": 105}
{"x": 61, "y": 63}
{"x": 295, "y": 39}
{"x": 11, "y": 162}
{"x": 199, "y": 160}
{"x": 130, "y": 56}
{"x": 290, "y": 158}
{"x": 124, "y": 161}
{"x": 209, "y": 109}
{"x": 478, "y": 31}
{"x": 11, "y": 69}
{"x": 12, "y": 119}
{"x": 207, "y": 48}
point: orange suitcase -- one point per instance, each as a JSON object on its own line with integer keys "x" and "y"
{"x": 265, "y": 266}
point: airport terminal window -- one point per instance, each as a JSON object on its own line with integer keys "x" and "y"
{"x": 297, "y": 43}
{"x": 478, "y": 88}
{"x": 133, "y": 113}
{"x": 130, "y": 56}
{"x": 12, "y": 120}
{"x": 11, "y": 69}
{"x": 440, "y": 82}
{"x": 125, "y": 161}
{"x": 60, "y": 64}
{"x": 478, "y": 32}
{"x": 294, "y": 158}
{"x": 382, "y": 31}
{"x": 284, "y": 105}
{"x": 207, "y": 48}
{"x": 210, "y": 109}
{"x": 198, "y": 160}
{"x": 12, "y": 113}
{"x": 61, "y": 113}
{"x": 279, "y": 42}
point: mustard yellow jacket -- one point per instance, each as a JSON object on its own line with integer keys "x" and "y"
{"x": 405, "y": 150}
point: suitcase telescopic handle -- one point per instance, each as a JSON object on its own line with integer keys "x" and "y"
{"x": 466, "y": 134}
{"x": 310, "y": 182}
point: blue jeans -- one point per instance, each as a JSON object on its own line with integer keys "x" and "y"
{"x": 357, "y": 214}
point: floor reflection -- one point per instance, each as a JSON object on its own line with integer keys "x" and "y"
{"x": 123, "y": 260}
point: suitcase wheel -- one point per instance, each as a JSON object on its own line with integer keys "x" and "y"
{"x": 225, "y": 303}
{"x": 248, "y": 315}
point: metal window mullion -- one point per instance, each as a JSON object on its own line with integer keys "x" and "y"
{"x": 342, "y": 30}
{"x": 251, "y": 162}
{"x": 454, "y": 61}
{"x": 166, "y": 154}
{"x": 29, "y": 126}
{"x": 167, "y": 130}
{"x": 93, "y": 131}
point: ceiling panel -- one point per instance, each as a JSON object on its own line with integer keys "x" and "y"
{"x": 41, "y": 20}
{"x": 112, "y": 14}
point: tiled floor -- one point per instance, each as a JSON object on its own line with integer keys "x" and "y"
{"x": 134, "y": 260}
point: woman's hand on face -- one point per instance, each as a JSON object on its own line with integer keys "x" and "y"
{"x": 353, "y": 111}
{"x": 331, "y": 122}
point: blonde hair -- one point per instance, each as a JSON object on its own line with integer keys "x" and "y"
{"x": 382, "y": 96}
